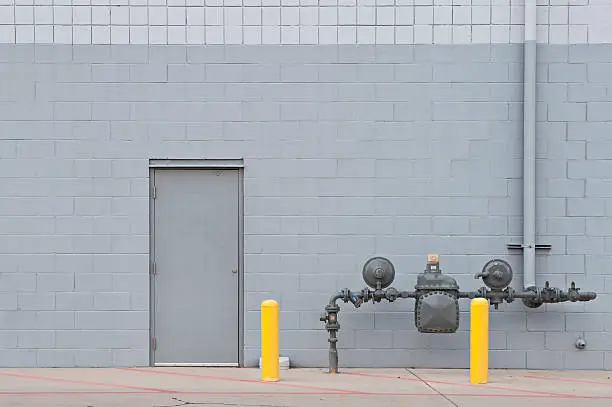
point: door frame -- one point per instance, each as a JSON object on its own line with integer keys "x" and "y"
{"x": 203, "y": 165}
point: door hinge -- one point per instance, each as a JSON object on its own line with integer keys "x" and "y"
{"x": 154, "y": 269}
{"x": 154, "y": 343}
{"x": 154, "y": 192}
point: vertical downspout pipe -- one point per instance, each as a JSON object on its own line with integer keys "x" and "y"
{"x": 529, "y": 145}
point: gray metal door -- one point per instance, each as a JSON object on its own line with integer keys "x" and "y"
{"x": 195, "y": 266}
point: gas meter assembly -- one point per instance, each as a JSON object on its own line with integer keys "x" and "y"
{"x": 437, "y": 295}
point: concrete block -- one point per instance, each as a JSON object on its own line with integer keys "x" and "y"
{"x": 373, "y": 339}
{"x": 54, "y": 320}
{"x": 589, "y": 168}
{"x": 361, "y": 92}
{"x": 599, "y": 111}
{"x": 300, "y": 301}
{"x": 36, "y": 301}
{"x": 130, "y": 357}
{"x": 597, "y": 341}
{"x": 470, "y": 111}
{"x": 26, "y": 225}
{"x": 112, "y": 301}
{"x": 91, "y": 244}
{"x": 8, "y": 340}
{"x": 73, "y": 301}
{"x": 186, "y": 73}
{"x": 299, "y": 111}
{"x": 507, "y": 359}
{"x": 254, "y": 111}
{"x": 563, "y": 112}
{"x": 69, "y": 263}
{"x": 140, "y": 301}
{"x": 262, "y": 225}
{"x": 549, "y": 360}
{"x": 557, "y": 92}
{"x": 550, "y": 321}
{"x": 299, "y": 73}
{"x": 565, "y": 226}
{"x": 275, "y": 282}
{"x": 559, "y": 188}
{"x": 599, "y": 72}
{"x": 598, "y": 150}
{"x": 588, "y": 131}
{"x": 587, "y": 322}
{"x": 108, "y": 111}
{"x": 148, "y": 73}
{"x": 303, "y": 339}
{"x": 357, "y": 110}
{"x": 586, "y": 93}
{"x": 92, "y": 358}
{"x": 115, "y": 339}
{"x": 450, "y": 225}
{"x": 584, "y": 360}
{"x": 525, "y": 340}
{"x": 598, "y": 227}
{"x": 25, "y": 111}
{"x": 398, "y": 322}
{"x": 561, "y": 340}
{"x": 582, "y": 207}
{"x": 110, "y": 72}
{"x": 299, "y": 225}
{"x": 489, "y": 225}
{"x": 355, "y": 225}
{"x": 36, "y": 339}
{"x": 563, "y": 72}
{"x": 18, "y": 358}
{"x": 17, "y": 53}
{"x": 53, "y": 358}
{"x": 414, "y": 73}
{"x": 290, "y": 320}
{"x": 111, "y": 320}
{"x": 585, "y": 245}
{"x": 55, "y": 282}
{"x": 129, "y": 244}
{"x": 470, "y": 72}
{"x": 94, "y": 282}
{"x": 8, "y": 301}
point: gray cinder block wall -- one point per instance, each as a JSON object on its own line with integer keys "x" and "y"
{"x": 390, "y": 130}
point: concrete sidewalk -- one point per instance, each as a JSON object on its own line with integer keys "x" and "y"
{"x": 165, "y": 387}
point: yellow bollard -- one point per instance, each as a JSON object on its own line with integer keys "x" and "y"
{"x": 479, "y": 340}
{"x": 269, "y": 341}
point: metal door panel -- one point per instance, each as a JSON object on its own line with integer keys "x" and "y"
{"x": 196, "y": 257}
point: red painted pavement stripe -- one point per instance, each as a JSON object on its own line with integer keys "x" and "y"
{"x": 55, "y": 379}
{"x": 559, "y": 379}
{"x": 238, "y": 393}
{"x": 231, "y": 379}
{"x": 410, "y": 379}
{"x": 332, "y": 391}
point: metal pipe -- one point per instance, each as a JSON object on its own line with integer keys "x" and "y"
{"x": 529, "y": 145}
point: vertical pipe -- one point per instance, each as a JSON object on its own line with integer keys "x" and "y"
{"x": 529, "y": 145}
{"x": 269, "y": 341}
{"x": 479, "y": 340}
{"x": 333, "y": 353}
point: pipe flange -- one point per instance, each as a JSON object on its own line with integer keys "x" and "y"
{"x": 533, "y": 302}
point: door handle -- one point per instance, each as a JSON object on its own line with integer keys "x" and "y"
{"x": 234, "y": 271}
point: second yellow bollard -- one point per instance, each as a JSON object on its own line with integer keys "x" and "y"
{"x": 269, "y": 341}
{"x": 479, "y": 340}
